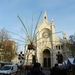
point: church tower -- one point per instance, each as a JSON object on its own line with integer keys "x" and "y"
{"x": 45, "y": 44}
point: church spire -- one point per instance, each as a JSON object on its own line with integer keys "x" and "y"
{"x": 45, "y": 17}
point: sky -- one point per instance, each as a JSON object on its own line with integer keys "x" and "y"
{"x": 61, "y": 11}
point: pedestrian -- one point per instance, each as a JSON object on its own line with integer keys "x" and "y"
{"x": 54, "y": 70}
{"x": 70, "y": 70}
{"x": 62, "y": 70}
{"x": 36, "y": 70}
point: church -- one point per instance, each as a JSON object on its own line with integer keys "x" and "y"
{"x": 50, "y": 48}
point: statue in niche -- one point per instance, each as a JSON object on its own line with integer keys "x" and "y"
{"x": 59, "y": 57}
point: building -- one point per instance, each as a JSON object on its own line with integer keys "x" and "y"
{"x": 48, "y": 45}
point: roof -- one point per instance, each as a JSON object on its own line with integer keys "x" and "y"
{"x": 69, "y": 61}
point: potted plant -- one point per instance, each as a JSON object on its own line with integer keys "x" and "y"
{"x": 31, "y": 47}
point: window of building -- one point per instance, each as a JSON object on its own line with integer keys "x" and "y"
{"x": 45, "y": 17}
{"x": 56, "y": 47}
{"x": 59, "y": 47}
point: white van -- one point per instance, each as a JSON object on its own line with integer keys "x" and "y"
{"x": 8, "y": 70}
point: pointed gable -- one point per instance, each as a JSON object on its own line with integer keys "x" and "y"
{"x": 45, "y": 17}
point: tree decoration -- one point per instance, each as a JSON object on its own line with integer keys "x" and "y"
{"x": 32, "y": 34}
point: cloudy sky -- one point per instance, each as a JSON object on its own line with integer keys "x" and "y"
{"x": 61, "y": 11}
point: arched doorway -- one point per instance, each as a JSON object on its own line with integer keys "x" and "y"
{"x": 46, "y": 58}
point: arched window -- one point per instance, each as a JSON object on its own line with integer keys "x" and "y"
{"x": 59, "y": 47}
{"x": 56, "y": 47}
{"x": 45, "y": 17}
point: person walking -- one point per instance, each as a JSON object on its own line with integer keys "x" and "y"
{"x": 36, "y": 70}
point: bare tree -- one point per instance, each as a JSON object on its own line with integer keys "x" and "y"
{"x": 4, "y": 35}
{"x": 72, "y": 44}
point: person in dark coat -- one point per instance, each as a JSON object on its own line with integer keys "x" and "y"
{"x": 54, "y": 70}
{"x": 62, "y": 70}
{"x": 36, "y": 70}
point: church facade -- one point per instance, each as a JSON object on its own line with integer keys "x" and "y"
{"x": 48, "y": 45}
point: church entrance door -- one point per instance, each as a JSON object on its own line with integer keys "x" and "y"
{"x": 46, "y": 58}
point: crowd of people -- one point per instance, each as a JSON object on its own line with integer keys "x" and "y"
{"x": 61, "y": 70}
{"x": 56, "y": 70}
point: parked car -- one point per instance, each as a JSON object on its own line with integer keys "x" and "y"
{"x": 5, "y": 63}
{"x": 8, "y": 69}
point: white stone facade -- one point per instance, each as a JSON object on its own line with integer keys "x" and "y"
{"x": 48, "y": 44}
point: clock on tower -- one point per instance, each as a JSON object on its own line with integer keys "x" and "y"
{"x": 45, "y": 34}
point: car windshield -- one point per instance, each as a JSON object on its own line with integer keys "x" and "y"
{"x": 6, "y": 68}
